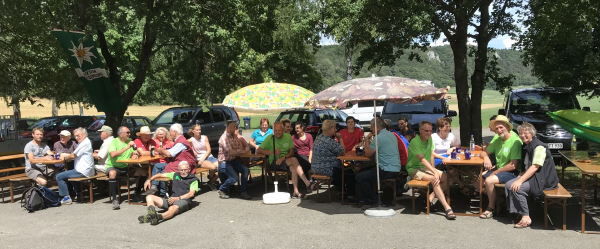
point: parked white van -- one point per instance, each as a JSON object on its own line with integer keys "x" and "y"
{"x": 363, "y": 111}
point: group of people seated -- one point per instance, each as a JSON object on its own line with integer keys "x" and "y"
{"x": 420, "y": 156}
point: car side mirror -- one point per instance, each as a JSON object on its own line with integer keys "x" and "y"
{"x": 378, "y": 114}
{"x": 452, "y": 113}
{"x": 586, "y": 108}
{"x": 501, "y": 112}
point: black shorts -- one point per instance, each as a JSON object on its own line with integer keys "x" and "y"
{"x": 303, "y": 160}
{"x": 278, "y": 167}
{"x": 183, "y": 204}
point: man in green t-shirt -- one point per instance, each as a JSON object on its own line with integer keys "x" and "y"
{"x": 506, "y": 149}
{"x": 279, "y": 146}
{"x": 420, "y": 166}
{"x": 120, "y": 148}
{"x": 183, "y": 189}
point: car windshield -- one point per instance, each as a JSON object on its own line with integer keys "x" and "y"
{"x": 96, "y": 125}
{"x": 428, "y": 106}
{"x": 80, "y": 121}
{"x": 181, "y": 116}
{"x": 540, "y": 102}
{"x": 41, "y": 123}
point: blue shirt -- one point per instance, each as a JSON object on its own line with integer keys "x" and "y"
{"x": 389, "y": 157}
{"x": 258, "y": 137}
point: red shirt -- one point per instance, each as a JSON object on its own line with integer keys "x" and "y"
{"x": 351, "y": 138}
{"x": 303, "y": 147}
{"x": 145, "y": 146}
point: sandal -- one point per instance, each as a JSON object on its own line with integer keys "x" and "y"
{"x": 309, "y": 187}
{"x": 519, "y": 225}
{"x": 450, "y": 214}
{"x": 489, "y": 213}
{"x": 297, "y": 196}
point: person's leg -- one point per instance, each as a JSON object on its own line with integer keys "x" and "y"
{"x": 153, "y": 200}
{"x": 208, "y": 165}
{"x": 230, "y": 174}
{"x": 243, "y": 170}
{"x": 294, "y": 163}
{"x": 112, "y": 183}
{"x": 437, "y": 190}
{"x": 61, "y": 180}
{"x": 364, "y": 183}
{"x": 37, "y": 176}
{"x": 172, "y": 211}
{"x": 156, "y": 169}
{"x": 517, "y": 201}
{"x": 491, "y": 193}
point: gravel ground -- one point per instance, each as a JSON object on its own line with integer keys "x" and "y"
{"x": 236, "y": 223}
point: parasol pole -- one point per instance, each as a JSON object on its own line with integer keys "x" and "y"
{"x": 378, "y": 211}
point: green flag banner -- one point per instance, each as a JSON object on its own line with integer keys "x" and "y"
{"x": 84, "y": 57}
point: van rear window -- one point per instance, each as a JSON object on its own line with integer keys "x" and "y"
{"x": 428, "y": 106}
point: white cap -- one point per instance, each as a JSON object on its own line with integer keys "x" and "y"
{"x": 65, "y": 133}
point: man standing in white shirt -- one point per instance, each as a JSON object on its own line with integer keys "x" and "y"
{"x": 84, "y": 164}
{"x": 101, "y": 155}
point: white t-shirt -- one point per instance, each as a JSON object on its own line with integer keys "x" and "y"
{"x": 103, "y": 151}
{"x": 440, "y": 145}
{"x": 84, "y": 162}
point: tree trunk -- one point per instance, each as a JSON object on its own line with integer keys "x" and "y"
{"x": 16, "y": 105}
{"x": 54, "y": 108}
{"x": 458, "y": 43}
{"x": 479, "y": 74}
{"x": 348, "y": 52}
{"x": 114, "y": 120}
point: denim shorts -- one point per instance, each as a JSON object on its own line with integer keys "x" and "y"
{"x": 209, "y": 158}
{"x": 503, "y": 177}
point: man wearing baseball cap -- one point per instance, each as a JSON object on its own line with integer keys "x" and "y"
{"x": 106, "y": 134}
{"x": 65, "y": 145}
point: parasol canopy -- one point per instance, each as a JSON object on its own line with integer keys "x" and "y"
{"x": 268, "y": 97}
{"x": 396, "y": 89}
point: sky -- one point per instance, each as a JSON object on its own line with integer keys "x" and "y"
{"x": 502, "y": 42}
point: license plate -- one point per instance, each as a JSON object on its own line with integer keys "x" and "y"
{"x": 555, "y": 145}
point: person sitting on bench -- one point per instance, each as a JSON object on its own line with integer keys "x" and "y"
{"x": 84, "y": 164}
{"x": 37, "y": 149}
{"x": 184, "y": 188}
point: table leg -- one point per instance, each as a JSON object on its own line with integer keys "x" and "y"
{"x": 583, "y": 203}
{"x": 264, "y": 173}
{"x": 343, "y": 183}
{"x": 480, "y": 191}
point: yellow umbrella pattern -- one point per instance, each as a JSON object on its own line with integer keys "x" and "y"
{"x": 268, "y": 97}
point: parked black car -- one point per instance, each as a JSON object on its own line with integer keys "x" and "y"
{"x": 53, "y": 125}
{"x": 313, "y": 118}
{"x": 212, "y": 120}
{"x": 531, "y": 105}
{"x": 429, "y": 110}
{"x": 132, "y": 122}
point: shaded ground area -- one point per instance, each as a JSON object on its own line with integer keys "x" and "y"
{"x": 307, "y": 223}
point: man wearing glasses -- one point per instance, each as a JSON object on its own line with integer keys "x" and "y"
{"x": 184, "y": 187}
{"x": 120, "y": 148}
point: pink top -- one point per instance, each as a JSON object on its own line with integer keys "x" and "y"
{"x": 303, "y": 147}
{"x": 199, "y": 146}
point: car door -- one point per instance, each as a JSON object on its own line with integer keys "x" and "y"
{"x": 218, "y": 125}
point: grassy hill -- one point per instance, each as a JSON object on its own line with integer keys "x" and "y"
{"x": 437, "y": 66}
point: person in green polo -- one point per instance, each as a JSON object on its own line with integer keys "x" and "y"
{"x": 120, "y": 148}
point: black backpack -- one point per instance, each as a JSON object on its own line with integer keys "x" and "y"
{"x": 38, "y": 198}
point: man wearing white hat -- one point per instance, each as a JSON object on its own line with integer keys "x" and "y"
{"x": 144, "y": 145}
{"x": 64, "y": 145}
{"x": 106, "y": 134}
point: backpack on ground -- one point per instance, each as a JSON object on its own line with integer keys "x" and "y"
{"x": 38, "y": 198}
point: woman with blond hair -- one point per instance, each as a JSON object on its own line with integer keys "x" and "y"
{"x": 201, "y": 148}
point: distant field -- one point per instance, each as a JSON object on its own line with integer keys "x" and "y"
{"x": 492, "y": 101}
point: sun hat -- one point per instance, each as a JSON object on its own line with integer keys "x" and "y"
{"x": 502, "y": 119}
{"x": 105, "y": 128}
{"x": 144, "y": 130}
{"x": 65, "y": 133}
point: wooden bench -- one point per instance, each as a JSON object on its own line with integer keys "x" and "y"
{"x": 419, "y": 184}
{"x": 323, "y": 179}
{"x": 90, "y": 182}
{"x": 556, "y": 196}
{"x": 11, "y": 175}
{"x": 500, "y": 198}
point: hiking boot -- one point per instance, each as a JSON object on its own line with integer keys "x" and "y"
{"x": 66, "y": 200}
{"x": 153, "y": 216}
{"x": 152, "y": 190}
{"x": 115, "y": 204}
{"x": 245, "y": 196}
{"x": 144, "y": 219}
{"x": 223, "y": 195}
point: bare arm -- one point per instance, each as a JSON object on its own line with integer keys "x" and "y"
{"x": 122, "y": 150}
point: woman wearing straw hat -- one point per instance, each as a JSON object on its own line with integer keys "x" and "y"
{"x": 507, "y": 152}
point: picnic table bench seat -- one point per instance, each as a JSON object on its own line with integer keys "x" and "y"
{"x": 420, "y": 185}
{"x": 557, "y": 196}
{"x": 90, "y": 183}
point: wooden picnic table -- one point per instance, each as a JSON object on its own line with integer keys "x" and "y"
{"x": 350, "y": 156}
{"x": 141, "y": 160}
{"x": 10, "y": 157}
{"x": 590, "y": 168}
{"x": 42, "y": 160}
{"x": 476, "y": 162}
{"x": 251, "y": 155}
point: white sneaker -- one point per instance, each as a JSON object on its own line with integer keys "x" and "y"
{"x": 66, "y": 200}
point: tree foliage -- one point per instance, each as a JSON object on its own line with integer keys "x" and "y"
{"x": 562, "y": 43}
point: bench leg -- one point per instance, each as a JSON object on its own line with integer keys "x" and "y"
{"x": 427, "y": 200}
{"x": 12, "y": 194}
{"x": 564, "y": 206}
{"x": 91, "y": 191}
{"x": 545, "y": 213}
{"x": 412, "y": 198}
{"x": 329, "y": 189}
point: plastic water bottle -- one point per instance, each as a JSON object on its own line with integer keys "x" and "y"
{"x": 574, "y": 143}
{"x": 472, "y": 143}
